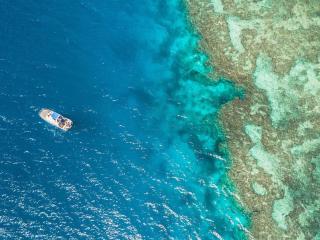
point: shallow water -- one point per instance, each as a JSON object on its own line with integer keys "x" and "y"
{"x": 143, "y": 159}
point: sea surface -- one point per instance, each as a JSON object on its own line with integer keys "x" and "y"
{"x": 144, "y": 158}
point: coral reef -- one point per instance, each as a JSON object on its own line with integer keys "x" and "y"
{"x": 271, "y": 49}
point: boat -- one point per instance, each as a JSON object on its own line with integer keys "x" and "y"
{"x": 55, "y": 119}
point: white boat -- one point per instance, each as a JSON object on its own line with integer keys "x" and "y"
{"x": 55, "y": 119}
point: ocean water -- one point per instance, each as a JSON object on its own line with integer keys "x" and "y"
{"x": 143, "y": 160}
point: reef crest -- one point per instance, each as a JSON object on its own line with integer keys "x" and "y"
{"x": 272, "y": 50}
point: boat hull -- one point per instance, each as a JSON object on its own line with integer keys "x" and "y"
{"x": 55, "y": 119}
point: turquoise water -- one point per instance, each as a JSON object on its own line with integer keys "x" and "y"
{"x": 143, "y": 158}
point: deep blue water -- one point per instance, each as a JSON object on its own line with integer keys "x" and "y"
{"x": 143, "y": 159}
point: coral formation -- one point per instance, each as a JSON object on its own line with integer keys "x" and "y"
{"x": 271, "y": 49}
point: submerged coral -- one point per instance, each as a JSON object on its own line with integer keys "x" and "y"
{"x": 272, "y": 50}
